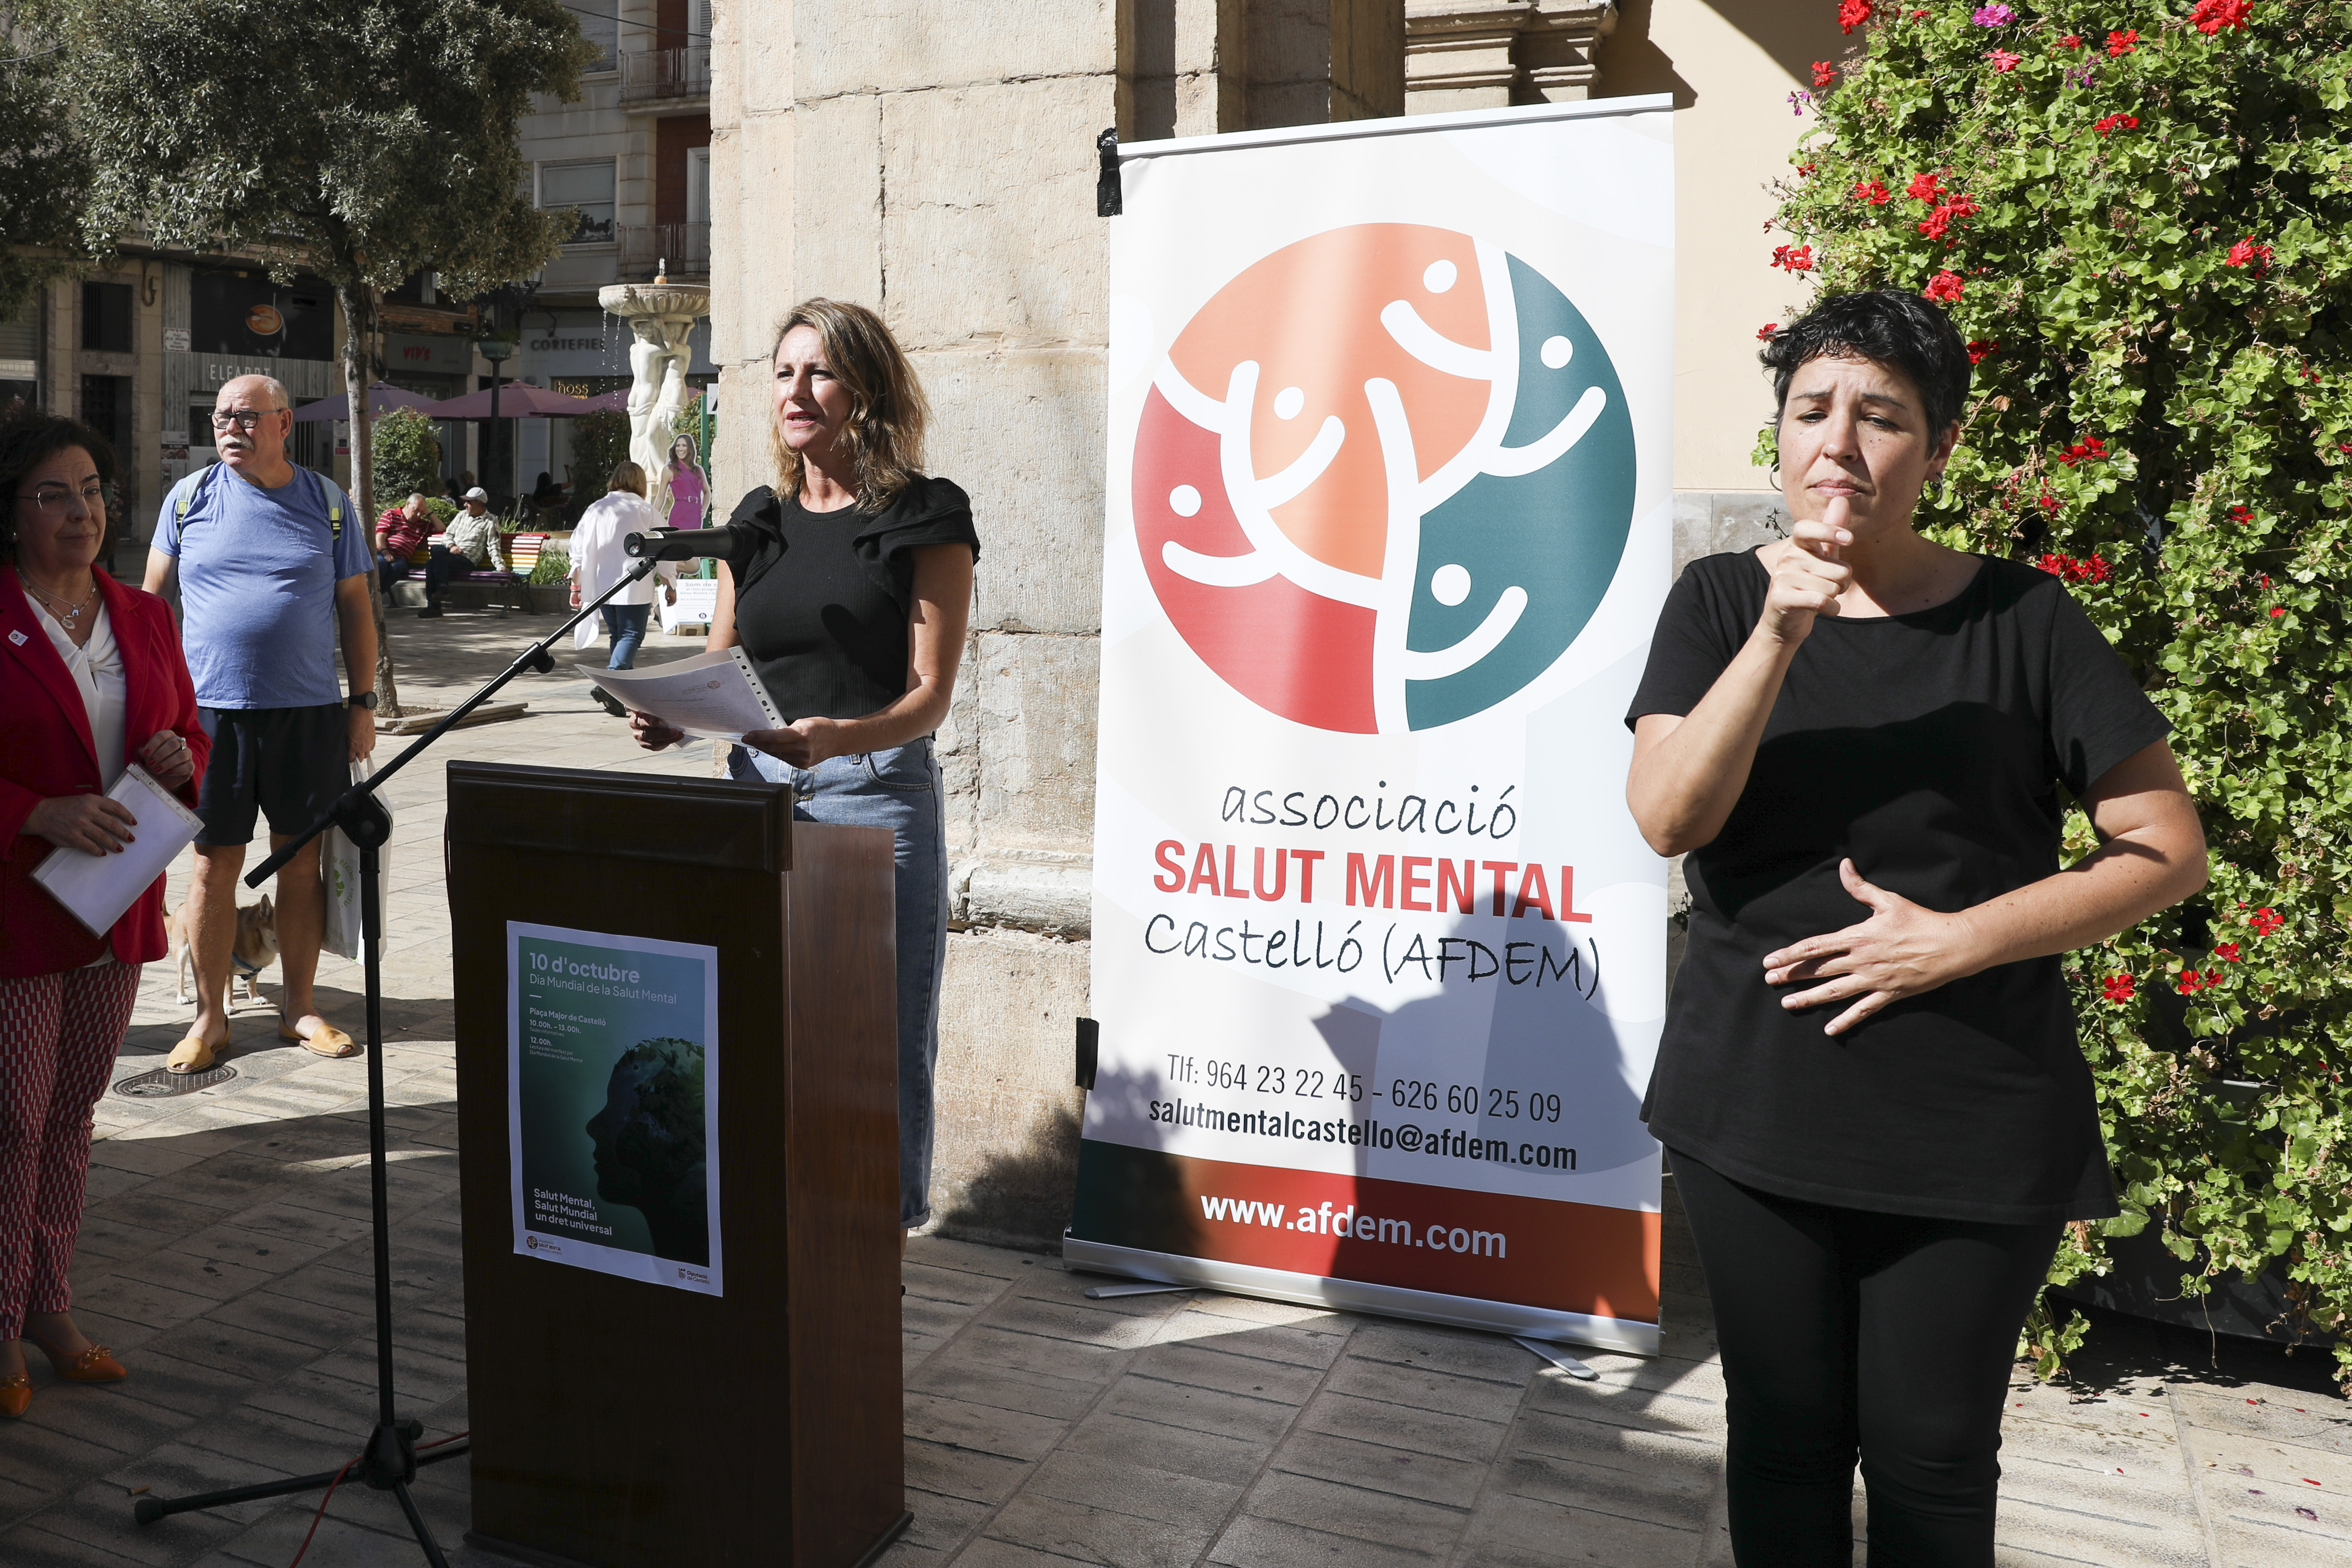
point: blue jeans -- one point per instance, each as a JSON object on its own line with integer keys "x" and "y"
{"x": 626, "y": 625}
{"x": 900, "y": 790}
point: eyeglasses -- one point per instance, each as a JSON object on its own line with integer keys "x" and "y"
{"x": 55, "y": 499}
{"x": 243, "y": 418}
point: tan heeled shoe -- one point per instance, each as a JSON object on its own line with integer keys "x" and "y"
{"x": 96, "y": 1364}
{"x": 15, "y": 1396}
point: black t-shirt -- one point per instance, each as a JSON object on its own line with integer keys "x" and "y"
{"x": 1929, "y": 748}
{"x": 822, "y": 604}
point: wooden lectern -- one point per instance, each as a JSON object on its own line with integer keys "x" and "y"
{"x": 620, "y": 1423}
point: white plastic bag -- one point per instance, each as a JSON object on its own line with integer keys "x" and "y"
{"x": 339, "y": 877}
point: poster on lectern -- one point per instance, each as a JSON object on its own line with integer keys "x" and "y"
{"x": 612, "y": 1104}
{"x": 1378, "y": 956}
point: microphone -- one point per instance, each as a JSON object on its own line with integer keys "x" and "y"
{"x": 731, "y": 542}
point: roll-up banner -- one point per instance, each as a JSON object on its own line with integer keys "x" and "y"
{"x": 1378, "y": 956}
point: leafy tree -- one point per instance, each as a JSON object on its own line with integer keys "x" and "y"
{"x": 364, "y": 148}
{"x": 600, "y": 443}
{"x": 408, "y": 455}
{"x": 43, "y": 170}
{"x": 2140, "y": 215}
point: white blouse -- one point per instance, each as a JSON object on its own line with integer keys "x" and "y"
{"x": 97, "y": 670}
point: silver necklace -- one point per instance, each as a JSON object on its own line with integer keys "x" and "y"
{"x": 66, "y": 617}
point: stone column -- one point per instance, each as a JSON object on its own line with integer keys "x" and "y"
{"x": 944, "y": 174}
{"x": 1490, "y": 56}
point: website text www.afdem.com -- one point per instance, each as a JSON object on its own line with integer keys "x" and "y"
{"x": 1326, "y": 1220}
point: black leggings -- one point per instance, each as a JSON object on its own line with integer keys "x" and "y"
{"x": 1844, "y": 1331}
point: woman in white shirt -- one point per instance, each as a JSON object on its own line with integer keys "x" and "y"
{"x": 598, "y": 561}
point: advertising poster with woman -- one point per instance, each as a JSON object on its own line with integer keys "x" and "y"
{"x": 613, "y": 1097}
{"x": 1379, "y": 954}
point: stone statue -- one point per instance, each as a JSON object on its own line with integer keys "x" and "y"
{"x": 661, "y": 318}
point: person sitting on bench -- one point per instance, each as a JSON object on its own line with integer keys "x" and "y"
{"x": 472, "y": 546}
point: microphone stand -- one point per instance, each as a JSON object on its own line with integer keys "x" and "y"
{"x": 390, "y": 1461}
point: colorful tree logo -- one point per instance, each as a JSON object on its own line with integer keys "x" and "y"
{"x": 1383, "y": 478}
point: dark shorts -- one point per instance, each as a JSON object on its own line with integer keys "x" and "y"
{"x": 289, "y": 763}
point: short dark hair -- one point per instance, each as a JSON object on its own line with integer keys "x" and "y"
{"x": 30, "y": 436}
{"x": 1887, "y": 327}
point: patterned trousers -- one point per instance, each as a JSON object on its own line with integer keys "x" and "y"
{"x": 58, "y": 1036}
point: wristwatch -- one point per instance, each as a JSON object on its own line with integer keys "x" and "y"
{"x": 364, "y": 699}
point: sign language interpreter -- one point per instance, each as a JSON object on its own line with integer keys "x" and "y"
{"x": 1863, "y": 743}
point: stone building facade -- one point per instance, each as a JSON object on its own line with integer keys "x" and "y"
{"x": 938, "y": 163}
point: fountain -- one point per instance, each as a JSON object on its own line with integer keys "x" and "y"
{"x": 661, "y": 316}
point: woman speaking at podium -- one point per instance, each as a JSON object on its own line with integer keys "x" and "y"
{"x": 1869, "y": 1083}
{"x": 852, "y": 608}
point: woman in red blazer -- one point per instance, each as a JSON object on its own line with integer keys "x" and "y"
{"x": 92, "y": 678}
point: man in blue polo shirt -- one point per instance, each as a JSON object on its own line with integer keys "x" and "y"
{"x": 273, "y": 566}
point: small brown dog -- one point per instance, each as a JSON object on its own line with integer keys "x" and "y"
{"x": 255, "y": 951}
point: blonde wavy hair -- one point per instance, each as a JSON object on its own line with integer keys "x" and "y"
{"x": 884, "y": 435}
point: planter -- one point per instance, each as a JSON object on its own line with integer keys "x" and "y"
{"x": 2145, "y": 1281}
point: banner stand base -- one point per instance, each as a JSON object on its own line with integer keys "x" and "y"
{"x": 1628, "y": 1336}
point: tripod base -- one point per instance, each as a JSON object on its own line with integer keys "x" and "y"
{"x": 387, "y": 1465}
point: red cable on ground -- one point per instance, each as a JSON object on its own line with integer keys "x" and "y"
{"x": 322, "y": 1512}
{"x": 354, "y": 1459}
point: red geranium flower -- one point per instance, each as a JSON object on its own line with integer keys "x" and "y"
{"x": 2190, "y": 983}
{"x": 2003, "y": 60}
{"x": 2122, "y": 44}
{"x": 1944, "y": 288}
{"x": 2049, "y": 503}
{"x": 2276, "y": 611}
{"x": 2265, "y": 920}
{"x": 2227, "y": 952}
{"x": 2246, "y": 252}
{"x": 2118, "y": 988}
{"x": 2088, "y": 451}
{"x": 1795, "y": 258}
{"x": 2071, "y": 41}
{"x": 1764, "y": 332}
{"x": 1824, "y": 73}
{"x": 1871, "y": 191}
{"x": 1982, "y": 349}
{"x": 2244, "y": 514}
{"x": 2210, "y": 17}
{"x": 2114, "y": 122}
{"x": 1924, "y": 188}
{"x": 1853, "y": 14}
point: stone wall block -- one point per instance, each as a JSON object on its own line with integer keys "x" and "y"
{"x": 1694, "y": 527}
{"x": 1035, "y": 732}
{"x": 890, "y": 45}
{"x": 959, "y": 758}
{"x": 989, "y": 236}
{"x": 835, "y": 205}
{"x": 764, "y": 77}
{"x": 752, "y": 185}
{"x": 1746, "y": 518}
{"x": 1712, "y": 522}
{"x": 1005, "y": 1163}
{"x": 1022, "y": 433}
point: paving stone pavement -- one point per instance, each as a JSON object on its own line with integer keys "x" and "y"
{"x": 225, "y": 1252}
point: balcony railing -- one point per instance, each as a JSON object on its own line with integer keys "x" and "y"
{"x": 663, "y": 75}
{"x": 684, "y": 246}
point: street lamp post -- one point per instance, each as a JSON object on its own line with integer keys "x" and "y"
{"x": 497, "y": 351}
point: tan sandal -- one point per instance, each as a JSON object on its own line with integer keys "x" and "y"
{"x": 326, "y": 1040}
{"x": 195, "y": 1053}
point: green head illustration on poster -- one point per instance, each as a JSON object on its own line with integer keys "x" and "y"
{"x": 650, "y": 1146}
